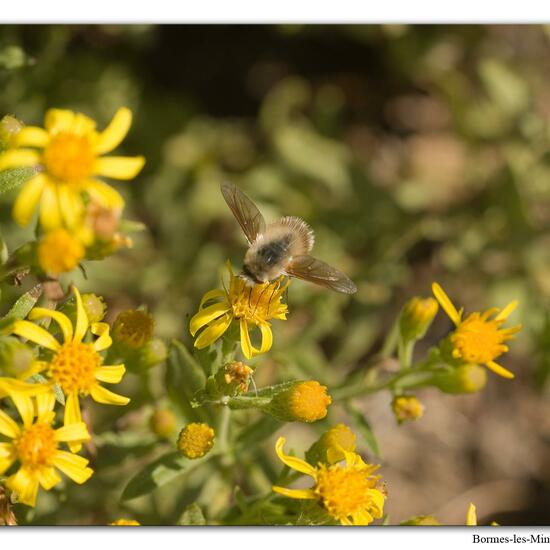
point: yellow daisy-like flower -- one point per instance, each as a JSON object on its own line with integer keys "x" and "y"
{"x": 67, "y": 154}
{"x": 58, "y": 251}
{"x": 478, "y": 339}
{"x": 76, "y": 365}
{"x": 251, "y": 305}
{"x": 347, "y": 492}
{"x": 35, "y": 446}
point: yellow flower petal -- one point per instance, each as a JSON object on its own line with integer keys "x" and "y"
{"x": 71, "y": 206}
{"x": 501, "y": 371}
{"x": 295, "y": 493}
{"x": 45, "y": 404}
{"x": 73, "y": 466}
{"x": 267, "y": 337}
{"x": 446, "y": 304}
{"x": 16, "y": 158}
{"x": 120, "y": 168}
{"x": 107, "y": 397}
{"x": 32, "y": 136}
{"x": 35, "y": 334}
{"x": 246, "y": 345}
{"x": 73, "y": 416}
{"x": 24, "y": 406}
{"x": 8, "y": 426}
{"x": 113, "y": 135}
{"x": 361, "y": 518}
{"x": 72, "y": 432}
{"x": 104, "y": 340}
{"x": 50, "y": 212}
{"x": 110, "y": 375}
{"x": 48, "y": 478}
{"x": 25, "y": 483}
{"x": 292, "y": 462}
{"x": 7, "y": 457}
{"x": 471, "y": 516}
{"x": 26, "y": 201}
{"x": 81, "y": 325}
{"x": 213, "y": 294}
{"x": 58, "y": 120}
{"x": 214, "y": 331}
{"x": 104, "y": 194}
{"x": 60, "y": 318}
{"x": 505, "y": 313}
{"x": 206, "y": 315}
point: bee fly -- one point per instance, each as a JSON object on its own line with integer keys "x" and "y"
{"x": 280, "y": 248}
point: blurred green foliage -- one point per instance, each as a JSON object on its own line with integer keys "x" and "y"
{"x": 416, "y": 154}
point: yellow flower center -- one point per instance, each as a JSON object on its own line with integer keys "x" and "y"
{"x": 73, "y": 367}
{"x": 256, "y": 303}
{"x": 69, "y": 157}
{"x": 134, "y": 328}
{"x": 308, "y": 401}
{"x": 479, "y": 340}
{"x": 195, "y": 440}
{"x": 36, "y": 446}
{"x": 345, "y": 490}
{"x": 59, "y": 252}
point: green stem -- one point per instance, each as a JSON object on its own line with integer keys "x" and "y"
{"x": 405, "y": 351}
{"x": 223, "y": 429}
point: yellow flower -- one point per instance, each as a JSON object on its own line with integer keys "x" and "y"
{"x": 133, "y": 328}
{"x": 479, "y": 339}
{"x": 303, "y": 402}
{"x": 331, "y": 447}
{"x": 195, "y": 440}
{"x": 58, "y": 251}
{"x": 347, "y": 492}
{"x": 407, "y": 407}
{"x": 68, "y": 156}
{"x": 125, "y": 522}
{"x": 35, "y": 446}
{"x": 416, "y": 317}
{"x": 251, "y": 305}
{"x": 75, "y": 365}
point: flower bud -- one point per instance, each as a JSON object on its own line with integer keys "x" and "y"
{"x": 152, "y": 353}
{"x": 94, "y": 306}
{"x": 9, "y": 128}
{"x": 59, "y": 252}
{"x": 462, "y": 379}
{"x": 416, "y": 317}
{"x": 133, "y": 328}
{"x": 195, "y": 440}
{"x": 330, "y": 447}
{"x": 233, "y": 378}
{"x": 407, "y": 407}
{"x": 163, "y": 423}
{"x": 421, "y": 520}
{"x": 15, "y": 357}
{"x": 302, "y": 402}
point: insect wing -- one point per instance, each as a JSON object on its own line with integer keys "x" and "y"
{"x": 244, "y": 210}
{"x": 318, "y": 272}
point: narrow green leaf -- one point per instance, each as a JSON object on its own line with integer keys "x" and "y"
{"x": 361, "y": 425}
{"x": 25, "y": 303}
{"x": 258, "y": 432}
{"x": 192, "y": 515}
{"x": 10, "y": 179}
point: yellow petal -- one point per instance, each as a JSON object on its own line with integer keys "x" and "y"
{"x": 292, "y": 462}
{"x": 82, "y": 324}
{"x": 505, "y": 313}
{"x": 110, "y": 375}
{"x": 45, "y": 403}
{"x": 26, "y": 201}
{"x": 7, "y": 457}
{"x": 246, "y": 344}
{"x": 501, "y": 371}
{"x": 25, "y": 407}
{"x": 12, "y": 385}
{"x": 113, "y": 135}
{"x": 211, "y": 295}
{"x": 60, "y": 318}
{"x": 446, "y": 304}
{"x": 107, "y": 397}
{"x": 206, "y": 315}
{"x": 32, "y": 136}
{"x": 16, "y": 158}
{"x": 70, "y": 205}
{"x": 471, "y": 516}
{"x": 120, "y": 168}
{"x": 58, "y": 120}
{"x": 8, "y": 426}
{"x": 267, "y": 338}
{"x": 104, "y": 194}
{"x": 48, "y": 478}
{"x": 73, "y": 466}
{"x": 25, "y": 483}
{"x": 50, "y": 212}
{"x": 73, "y": 416}
{"x": 361, "y": 518}
{"x": 104, "y": 340}
{"x": 295, "y": 493}
{"x": 73, "y": 432}
{"x": 83, "y": 125}
{"x": 212, "y": 332}
{"x": 35, "y": 334}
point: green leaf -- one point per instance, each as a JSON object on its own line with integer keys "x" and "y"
{"x": 192, "y": 516}
{"x": 10, "y": 179}
{"x": 361, "y": 425}
{"x": 160, "y": 472}
{"x": 21, "y": 308}
{"x": 258, "y": 432}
